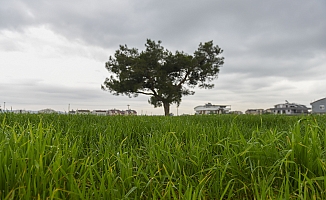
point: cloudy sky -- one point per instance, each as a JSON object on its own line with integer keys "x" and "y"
{"x": 53, "y": 53}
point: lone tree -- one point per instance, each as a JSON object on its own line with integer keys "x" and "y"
{"x": 162, "y": 75}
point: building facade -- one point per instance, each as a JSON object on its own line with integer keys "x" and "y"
{"x": 319, "y": 106}
{"x": 83, "y": 111}
{"x": 255, "y": 111}
{"x": 212, "y": 109}
{"x": 114, "y": 112}
{"x": 290, "y": 109}
{"x": 100, "y": 112}
{"x": 130, "y": 112}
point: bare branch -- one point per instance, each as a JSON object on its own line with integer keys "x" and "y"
{"x": 184, "y": 79}
{"x": 139, "y": 92}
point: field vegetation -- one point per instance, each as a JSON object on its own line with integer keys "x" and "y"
{"x": 54, "y": 156}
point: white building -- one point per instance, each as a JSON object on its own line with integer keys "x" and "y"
{"x": 20, "y": 111}
{"x": 122, "y": 112}
{"x": 114, "y": 112}
{"x": 289, "y": 109}
{"x": 83, "y": 111}
{"x": 212, "y": 109}
{"x": 100, "y": 112}
{"x": 130, "y": 112}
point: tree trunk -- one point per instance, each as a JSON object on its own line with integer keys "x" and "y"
{"x": 166, "y": 108}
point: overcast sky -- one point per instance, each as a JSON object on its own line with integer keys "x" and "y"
{"x": 53, "y": 53}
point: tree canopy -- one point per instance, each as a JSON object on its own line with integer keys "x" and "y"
{"x": 165, "y": 76}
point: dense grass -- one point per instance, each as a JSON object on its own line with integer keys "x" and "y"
{"x": 144, "y": 157}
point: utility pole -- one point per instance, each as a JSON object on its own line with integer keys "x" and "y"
{"x": 128, "y": 106}
{"x": 4, "y": 106}
{"x": 68, "y": 108}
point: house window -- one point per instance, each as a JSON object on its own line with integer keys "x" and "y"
{"x": 322, "y": 107}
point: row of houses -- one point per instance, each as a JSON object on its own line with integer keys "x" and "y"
{"x": 287, "y": 108}
{"x": 105, "y": 112}
{"x": 78, "y": 111}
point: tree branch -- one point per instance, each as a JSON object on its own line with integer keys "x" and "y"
{"x": 184, "y": 79}
{"x": 139, "y": 92}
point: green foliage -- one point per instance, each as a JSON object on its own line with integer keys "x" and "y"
{"x": 161, "y": 74}
{"x": 53, "y": 156}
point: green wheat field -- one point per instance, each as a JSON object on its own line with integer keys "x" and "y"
{"x": 52, "y": 156}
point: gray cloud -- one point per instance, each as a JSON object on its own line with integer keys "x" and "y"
{"x": 102, "y": 22}
{"x": 272, "y": 29}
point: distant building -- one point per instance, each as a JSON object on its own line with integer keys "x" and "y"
{"x": 255, "y": 111}
{"x": 72, "y": 112}
{"x": 105, "y": 112}
{"x": 130, "y": 112}
{"x": 290, "y": 109}
{"x": 319, "y": 106}
{"x": 114, "y": 112}
{"x": 47, "y": 111}
{"x": 83, "y": 111}
{"x": 212, "y": 109}
{"x": 20, "y": 111}
{"x": 268, "y": 111}
{"x": 100, "y": 112}
{"x": 236, "y": 112}
{"x": 122, "y": 112}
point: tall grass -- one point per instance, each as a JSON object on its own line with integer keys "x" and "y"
{"x": 144, "y": 157}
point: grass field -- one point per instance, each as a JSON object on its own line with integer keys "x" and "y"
{"x": 146, "y": 157}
